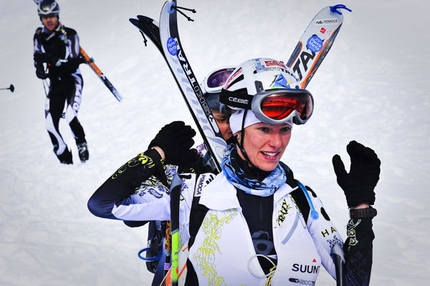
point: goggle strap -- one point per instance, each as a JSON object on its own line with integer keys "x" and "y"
{"x": 239, "y": 98}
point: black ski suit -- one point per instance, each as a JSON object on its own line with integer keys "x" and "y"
{"x": 57, "y": 57}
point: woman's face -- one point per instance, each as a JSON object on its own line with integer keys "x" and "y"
{"x": 265, "y": 144}
{"x": 223, "y": 124}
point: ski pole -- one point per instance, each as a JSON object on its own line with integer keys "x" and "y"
{"x": 175, "y": 193}
{"x": 90, "y": 61}
{"x": 11, "y": 88}
{"x": 45, "y": 86}
{"x": 339, "y": 261}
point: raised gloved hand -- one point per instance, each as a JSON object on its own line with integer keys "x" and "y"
{"x": 176, "y": 139}
{"x": 358, "y": 185}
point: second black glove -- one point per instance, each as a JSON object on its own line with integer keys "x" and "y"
{"x": 176, "y": 139}
{"x": 359, "y": 184}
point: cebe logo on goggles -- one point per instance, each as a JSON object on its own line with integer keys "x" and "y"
{"x": 275, "y": 106}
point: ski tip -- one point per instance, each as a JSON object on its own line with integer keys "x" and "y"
{"x": 133, "y": 21}
{"x": 144, "y": 18}
{"x": 137, "y": 22}
{"x": 147, "y": 20}
{"x": 336, "y": 8}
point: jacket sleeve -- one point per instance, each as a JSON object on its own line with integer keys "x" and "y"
{"x": 358, "y": 250}
{"x": 358, "y": 247}
{"x": 126, "y": 186}
{"x": 37, "y": 46}
{"x": 324, "y": 234}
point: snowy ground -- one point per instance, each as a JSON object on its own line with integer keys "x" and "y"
{"x": 372, "y": 87}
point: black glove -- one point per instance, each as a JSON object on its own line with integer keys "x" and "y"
{"x": 44, "y": 58}
{"x": 40, "y": 72}
{"x": 176, "y": 139}
{"x": 41, "y": 57}
{"x": 359, "y": 183}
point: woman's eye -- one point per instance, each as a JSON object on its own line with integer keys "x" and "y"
{"x": 286, "y": 129}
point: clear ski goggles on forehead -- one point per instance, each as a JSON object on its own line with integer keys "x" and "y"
{"x": 215, "y": 80}
{"x": 275, "y": 106}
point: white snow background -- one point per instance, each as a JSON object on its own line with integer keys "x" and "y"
{"x": 372, "y": 87}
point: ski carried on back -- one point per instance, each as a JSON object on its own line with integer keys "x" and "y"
{"x": 168, "y": 42}
{"x": 315, "y": 42}
{"x": 104, "y": 79}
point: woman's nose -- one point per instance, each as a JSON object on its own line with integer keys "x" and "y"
{"x": 275, "y": 139}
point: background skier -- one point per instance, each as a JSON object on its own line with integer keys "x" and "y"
{"x": 57, "y": 58}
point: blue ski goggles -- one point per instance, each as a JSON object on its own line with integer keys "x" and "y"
{"x": 274, "y": 106}
{"x": 214, "y": 82}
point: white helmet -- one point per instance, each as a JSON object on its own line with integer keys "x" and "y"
{"x": 270, "y": 89}
{"x": 48, "y": 7}
{"x": 272, "y": 74}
